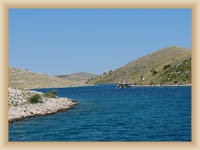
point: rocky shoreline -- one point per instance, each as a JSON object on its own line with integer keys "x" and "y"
{"x": 20, "y": 108}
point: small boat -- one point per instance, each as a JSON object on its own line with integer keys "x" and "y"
{"x": 124, "y": 85}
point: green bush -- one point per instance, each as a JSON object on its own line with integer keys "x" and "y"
{"x": 153, "y": 71}
{"x": 51, "y": 94}
{"x": 166, "y": 66}
{"x": 151, "y": 83}
{"x": 34, "y": 99}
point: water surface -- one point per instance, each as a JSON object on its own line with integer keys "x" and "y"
{"x": 106, "y": 113}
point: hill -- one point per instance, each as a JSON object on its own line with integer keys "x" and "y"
{"x": 179, "y": 73}
{"x": 77, "y": 77}
{"x": 155, "y": 68}
{"x": 25, "y": 79}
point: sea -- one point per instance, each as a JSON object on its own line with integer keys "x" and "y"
{"x": 108, "y": 113}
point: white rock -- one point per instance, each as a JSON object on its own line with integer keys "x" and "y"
{"x": 24, "y": 109}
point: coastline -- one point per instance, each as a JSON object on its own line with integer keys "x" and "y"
{"x": 19, "y": 107}
{"x": 160, "y": 85}
{"x": 84, "y": 85}
{"x": 147, "y": 85}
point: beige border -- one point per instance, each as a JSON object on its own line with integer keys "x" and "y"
{"x": 5, "y": 4}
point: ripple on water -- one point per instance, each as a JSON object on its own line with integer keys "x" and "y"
{"x": 105, "y": 113}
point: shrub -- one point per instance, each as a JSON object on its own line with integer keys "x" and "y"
{"x": 166, "y": 66}
{"x": 51, "y": 94}
{"x": 151, "y": 83}
{"x": 153, "y": 71}
{"x": 34, "y": 99}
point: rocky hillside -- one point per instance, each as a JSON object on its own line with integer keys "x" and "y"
{"x": 178, "y": 73}
{"x": 77, "y": 77}
{"x": 25, "y": 79}
{"x": 155, "y": 68}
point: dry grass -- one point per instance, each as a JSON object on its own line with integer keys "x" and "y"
{"x": 24, "y": 79}
{"x": 144, "y": 65}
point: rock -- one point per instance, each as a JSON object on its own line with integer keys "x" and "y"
{"x": 19, "y": 108}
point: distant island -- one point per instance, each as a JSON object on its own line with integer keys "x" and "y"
{"x": 26, "y": 79}
{"x": 167, "y": 66}
{"x": 80, "y": 77}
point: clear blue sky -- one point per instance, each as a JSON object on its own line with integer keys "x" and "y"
{"x": 64, "y": 41}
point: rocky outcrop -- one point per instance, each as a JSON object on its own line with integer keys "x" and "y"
{"x": 20, "y": 108}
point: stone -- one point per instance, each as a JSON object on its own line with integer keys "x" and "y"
{"x": 19, "y": 108}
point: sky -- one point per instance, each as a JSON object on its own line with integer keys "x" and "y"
{"x": 65, "y": 41}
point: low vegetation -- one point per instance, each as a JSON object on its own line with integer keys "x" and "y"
{"x": 51, "y": 94}
{"x": 166, "y": 66}
{"x": 156, "y": 68}
{"x": 35, "y": 99}
{"x": 154, "y": 72}
{"x": 177, "y": 74}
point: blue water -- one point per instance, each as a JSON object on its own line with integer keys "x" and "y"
{"x": 105, "y": 113}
